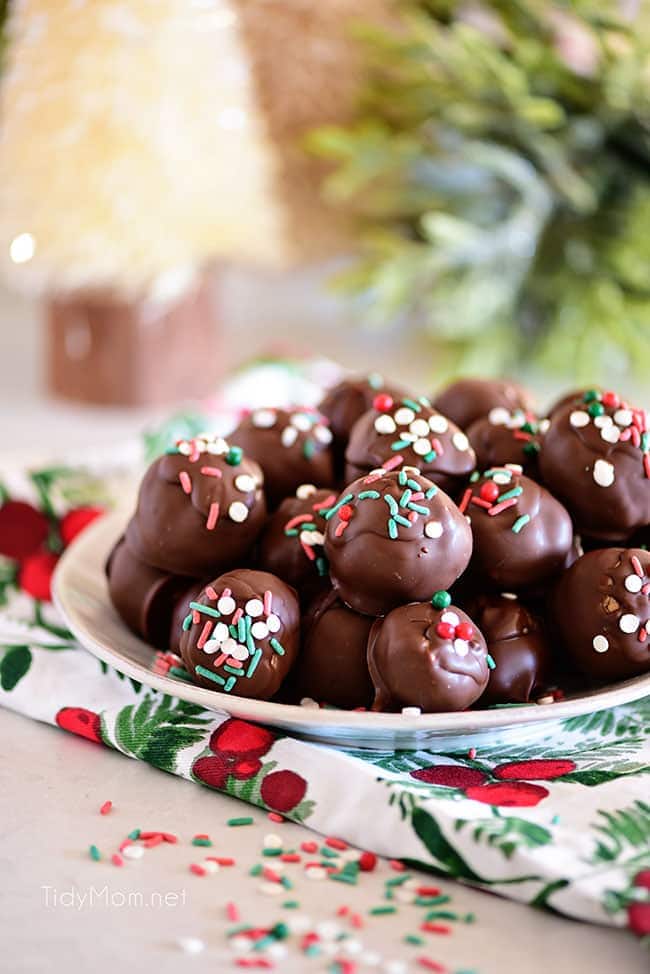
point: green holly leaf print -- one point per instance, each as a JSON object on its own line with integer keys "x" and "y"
{"x": 158, "y": 728}
{"x": 622, "y": 833}
{"x": 595, "y": 777}
{"x": 15, "y": 664}
{"x": 506, "y": 833}
{"x": 430, "y": 833}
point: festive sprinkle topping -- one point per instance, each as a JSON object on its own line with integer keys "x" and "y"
{"x": 633, "y": 583}
{"x": 238, "y": 512}
{"x": 629, "y": 623}
{"x": 441, "y": 599}
{"x": 600, "y": 643}
{"x": 433, "y": 529}
{"x": 382, "y": 402}
{"x": 234, "y": 456}
{"x": 460, "y": 441}
{"x": 264, "y": 418}
{"x": 603, "y": 473}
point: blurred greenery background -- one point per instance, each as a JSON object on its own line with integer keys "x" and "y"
{"x": 499, "y": 168}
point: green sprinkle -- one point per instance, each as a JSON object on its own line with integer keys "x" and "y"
{"x": 590, "y": 395}
{"x": 271, "y": 852}
{"x": 514, "y": 492}
{"x": 413, "y": 484}
{"x": 530, "y": 448}
{"x": 202, "y": 671}
{"x": 135, "y": 834}
{"x": 332, "y": 510}
{"x": 244, "y": 820}
{"x": 276, "y": 646}
{"x": 250, "y": 642}
{"x": 432, "y": 491}
{"x": 443, "y": 915}
{"x": 233, "y": 631}
{"x": 378, "y": 911}
{"x": 308, "y": 450}
{"x": 257, "y": 869}
{"x": 596, "y": 409}
{"x": 645, "y": 442}
{"x": 280, "y": 931}
{"x": 232, "y": 670}
{"x": 180, "y": 673}
{"x": 398, "y": 880}
{"x": 418, "y": 508}
{"x": 205, "y": 609}
{"x": 187, "y": 621}
{"x": 286, "y": 882}
{"x": 321, "y": 566}
{"x": 95, "y": 854}
{"x": 437, "y": 901}
{"x": 252, "y": 666}
{"x": 202, "y": 842}
{"x": 241, "y": 630}
{"x": 343, "y": 877}
{"x": 264, "y": 942}
{"x": 230, "y": 682}
{"x": 431, "y": 455}
{"x": 498, "y": 470}
{"x": 372, "y": 495}
{"x": 528, "y": 428}
{"x": 490, "y": 662}
{"x": 520, "y": 523}
{"x": 475, "y": 476}
{"x": 415, "y": 406}
{"x": 291, "y": 533}
{"x": 405, "y": 498}
{"x": 234, "y": 456}
{"x": 441, "y": 599}
{"x": 404, "y": 521}
{"x": 400, "y": 445}
{"x": 392, "y": 528}
{"x": 425, "y": 401}
{"x": 330, "y": 853}
{"x": 313, "y": 950}
{"x": 402, "y": 478}
{"x": 392, "y": 504}
{"x": 291, "y": 905}
{"x": 411, "y": 938}
{"x": 375, "y": 380}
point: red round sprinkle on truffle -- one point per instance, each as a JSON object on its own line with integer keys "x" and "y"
{"x": 489, "y": 491}
{"x": 445, "y": 630}
{"x": 382, "y": 402}
{"x": 464, "y": 630}
{"x": 346, "y": 512}
{"x": 611, "y": 399}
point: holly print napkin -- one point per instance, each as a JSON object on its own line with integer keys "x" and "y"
{"x": 563, "y": 822}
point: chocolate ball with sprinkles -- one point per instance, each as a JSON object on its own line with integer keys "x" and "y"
{"x": 200, "y": 508}
{"x": 519, "y": 647}
{"x": 596, "y": 458}
{"x": 292, "y": 447}
{"x": 241, "y": 635}
{"x": 332, "y": 667}
{"x": 507, "y": 436}
{"x": 346, "y": 402}
{"x": 393, "y": 536}
{"x": 291, "y": 545}
{"x": 601, "y": 608}
{"x": 469, "y": 399}
{"x": 522, "y": 535}
{"x": 428, "y": 655}
{"x": 399, "y": 432}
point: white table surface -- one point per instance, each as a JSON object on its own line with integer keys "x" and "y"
{"x": 52, "y": 784}
{"x": 51, "y": 787}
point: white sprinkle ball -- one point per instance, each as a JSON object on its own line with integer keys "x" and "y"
{"x": 240, "y": 945}
{"x": 385, "y": 424}
{"x": 623, "y": 417}
{"x": 327, "y": 930}
{"x": 604, "y": 473}
{"x": 245, "y": 483}
{"x": 210, "y": 866}
{"x": 460, "y": 441}
{"x": 404, "y": 416}
{"x": 610, "y": 434}
{"x": 352, "y": 947}
{"x": 602, "y": 421}
{"x": 238, "y": 512}
{"x": 600, "y": 643}
{"x": 264, "y": 418}
{"x": 629, "y": 623}
{"x": 499, "y": 416}
{"x": 419, "y": 427}
{"x": 277, "y": 950}
{"x": 422, "y": 447}
{"x": 259, "y": 630}
{"x": 461, "y": 647}
{"x": 254, "y": 607}
{"x": 133, "y": 851}
{"x": 633, "y": 583}
{"x": 273, "y": 622}
{"x": 315, "y": 872}
{"x": 190, "y": 945}
{"x": 411, "y": 711}
{"x": 438, "y": 423}
{"x": 433, "y": 529}
{"x": 579, "y": 418}
{"x": 301, "y": 422}
{"x": 305, "y": 491}
{"x": 450, "y": 617}
{"x": 238, "y": 651}
{"x": 322, "y": 434}
{"x": 502, "y": 479}
{"x": 309, "y": 703}
{"x": 271, "y": 889}
{"x": 218, "y": 447}
{"x": 226, "y": 605}
{"x": 272, "y": 841}
{"x": 289, "y": 436}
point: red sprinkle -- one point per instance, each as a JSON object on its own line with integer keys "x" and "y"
{"x": 610, "y": 399}
{"x": 271, "y": 875}
{"x": 196, "y": 869}
{"x": 343, "y": 911}
{"x": 503, "y": 506}
{"x": 298, "y": 519}
{"x": 321, "y": 505}
{"x": 346, "y": 512}
{"x": 382, "y": 402}
{"x": 462, "y": 507}
{"x": 357, "y": 921}
{"x": 186, "y": 481}
{"x": 340, "y": 528}
{"x": 106, "y": 807}
{"x": 445, "y": 630}
{"x": 213, "y": 516}
{"x": 210, "y": 471}
{"x": 367, "y": 861}
{"x": 398, "y": 866}
{"x": 274, "y": 817}
{"x": 221, "y": 860}
{"x": 336, "y": 843}
{"x": 153, "y": 841}
{"x": 428, "y": 891}
{"x": 479, "y": 502}
{"x": 431, "y": 965}
{"x": 393, "y": 462}
{"x": 205, "y": 634}
{"x": 464, "y": 630}
{"x": 435, "y": 927}
{"x": 170, "y": 837}
{"x": 290, "y": 857}
{"x": 232, "y": 912}
{"x": 123, "y": 845}
{"x": 636, "y": 565}
{"x": 310, "y": 847}
{"x": 117, "y": 859}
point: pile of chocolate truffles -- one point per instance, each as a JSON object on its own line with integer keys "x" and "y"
{"x": 391, "y": 551}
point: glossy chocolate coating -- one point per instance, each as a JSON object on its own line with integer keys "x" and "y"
{"x": 182, "y": 601}
{"x": 509, "y": 554}
{"x": 376, "y": 561}
{"x": 505, "y": 436}
{"x": 142, "y": 596}
{"x": 423, "y": 437}
{"x": 467, "y": 400}
{"x": 209, "y": 641}
{"x": 593, "y": 459}
{"x": 332, "y": 666}
{"x": 292, "y": 448}
{"x": 574, "y": 395}
{"x": 291, "y": 545}
{"x": 601, "y": 608}
{"x": 197, "y": 513}
{"x": 416, "y": 662}
{"x": 346, "y": 402}
{"x": 517, "y": 645}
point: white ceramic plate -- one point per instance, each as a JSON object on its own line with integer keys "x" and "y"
{"x": 81, "y": 594}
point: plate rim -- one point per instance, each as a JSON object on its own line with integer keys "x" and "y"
{"x": 100, "y": 535}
